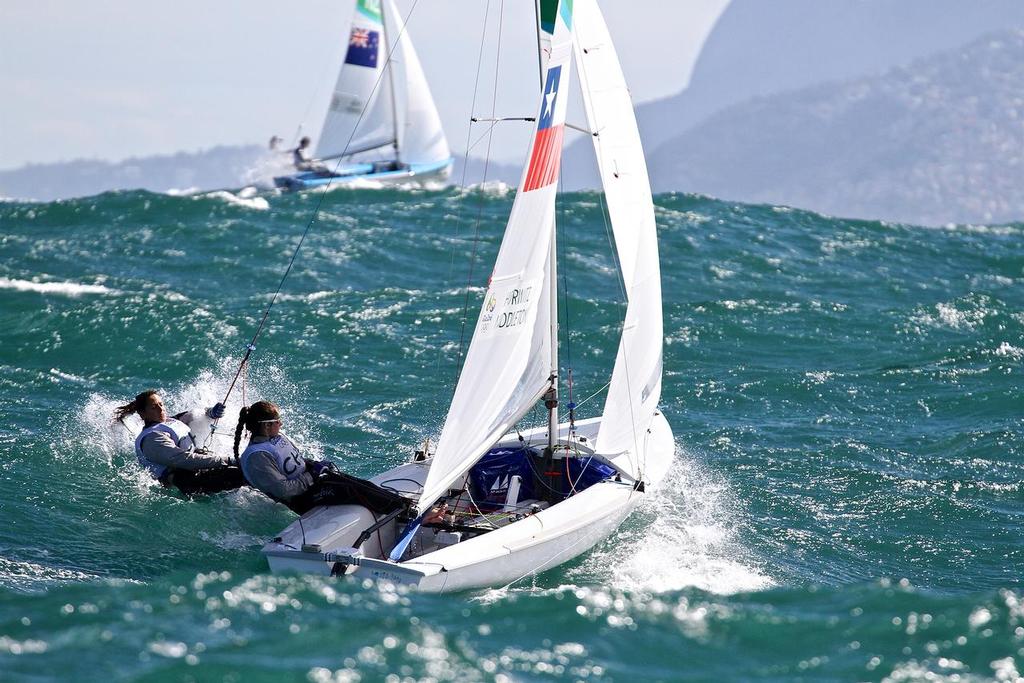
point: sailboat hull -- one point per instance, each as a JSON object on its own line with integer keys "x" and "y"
{"x": 533, "y": 544}
{"x": 375, "y": 173}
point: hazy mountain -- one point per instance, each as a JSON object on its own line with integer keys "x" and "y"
{"x": 760, "y": 48}
{"x": 474, "y": 171}
{"x": 939, "y": 140}
{"x": 219, "y": 167}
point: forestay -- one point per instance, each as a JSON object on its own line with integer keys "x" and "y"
{"x": 507, "y": 365}
{"x": 362, "y": 98}
{"x": 636, "y": 379}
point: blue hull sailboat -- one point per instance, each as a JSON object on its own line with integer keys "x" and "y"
{"x": 381, "y": 124}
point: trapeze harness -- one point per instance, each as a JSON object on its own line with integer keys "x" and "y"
{"x": 180, "y": 434}
{"x": 284, "y": 453}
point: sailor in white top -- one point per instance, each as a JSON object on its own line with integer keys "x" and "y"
{"x": 166, "y": 448}
{"x": 273, "y": 464}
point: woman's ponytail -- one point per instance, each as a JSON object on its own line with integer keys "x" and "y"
{"x": 252, "y": 417}
{"x": 138, "y": 403}
{"x": 242, "y": 414}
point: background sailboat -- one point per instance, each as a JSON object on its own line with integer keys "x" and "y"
{"x": 381, "y": 122}
{"x": 495, "y": 504}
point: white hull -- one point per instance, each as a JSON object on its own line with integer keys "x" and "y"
{"x": 500, "y": 557}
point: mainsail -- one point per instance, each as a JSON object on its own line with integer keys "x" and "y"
{"x": 421, "y": 138}
{"x": 361, "y": 97}
{"x": 636, "y": 379}
{"x": 508, "y": 365}
{"x": 381, "y": 98}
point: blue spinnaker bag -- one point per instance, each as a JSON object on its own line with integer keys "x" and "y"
{"x": 584, "y": 473}
{"x": 492, "y": 475}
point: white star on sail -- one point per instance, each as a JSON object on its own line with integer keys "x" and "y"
{"x": 549, "y": 99}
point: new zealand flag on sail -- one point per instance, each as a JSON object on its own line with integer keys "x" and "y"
{"x": 362, "y": 47}
{"x": 547, "y": 146}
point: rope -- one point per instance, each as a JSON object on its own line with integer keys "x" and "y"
{"x": 469, "y": 147}
{"x": 480, "y": 209}
{"x": 607, "y": 384}
{"x": 316, "y": 211}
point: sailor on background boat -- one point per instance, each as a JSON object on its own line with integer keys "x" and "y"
{"x": 302, "y": 160}
{"x": 166, "y": 448}
{"x": 273, "y": 464}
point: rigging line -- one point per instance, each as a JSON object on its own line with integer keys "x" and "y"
{"x": 607, "y": 384}
{"x": 540, "y": 60}
{"x": 605, "y": 216}
{"x": 560, "y": 243}
{"x": 480, "y": 211}
{"x": 483, "y": 135}
{"x": 329, "y": 66}
{"x": 316, "y": 210}
{"x": 465, "y": 161}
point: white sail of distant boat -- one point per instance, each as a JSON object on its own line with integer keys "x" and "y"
{"x": 381, "y": 122}
{"x": 495, "y": 504}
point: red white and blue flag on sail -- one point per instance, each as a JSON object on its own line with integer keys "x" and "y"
{"x": 547, "y": 146}
{"x": 362, "y": 47}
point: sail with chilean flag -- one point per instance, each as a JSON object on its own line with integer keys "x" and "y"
{"x": 515, "y": 319}
{"x": 547, "y": 146}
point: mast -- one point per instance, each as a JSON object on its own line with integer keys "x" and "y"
{"x": 388, "y": 51}
{"x": 551, "y": 398}
{"x": 540, "y": 57}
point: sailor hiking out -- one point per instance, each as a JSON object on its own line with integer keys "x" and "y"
{"x": 273, "y": 464}
{"x": 166, "y": 448}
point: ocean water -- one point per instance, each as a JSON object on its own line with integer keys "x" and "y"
{"x": 845, "y": 503}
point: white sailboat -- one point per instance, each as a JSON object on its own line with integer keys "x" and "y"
{"x": 493, "y": 505}
{"x": 381, "y": 123}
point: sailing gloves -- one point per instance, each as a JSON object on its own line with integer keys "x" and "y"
{"x": 318, "y": 467}
{"x": 217, "y": 411}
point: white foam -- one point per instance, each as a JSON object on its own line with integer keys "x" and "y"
{"x": 182, "y": 192}
{"x": 65, "y": 288}
{"x": 948, "y": 315}
{"x": 691, "y": 542}
{"x": 241, "y": 199}
{"x": 369, "y": 184}
{"x": 1010, "y": 351}
{"x": 29, "y": 575}
{"x": 495, "y": 188}
{"x": 261, "y": 174}
{"x": 68, "y": 377}
{"x": 309, "y": 298}
{"x": 233, "y": 540}
{"x": 115, "y": 441}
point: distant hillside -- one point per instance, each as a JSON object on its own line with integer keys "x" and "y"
{"x": 215, "y": 168}
{"x": 937, "y": 141}
{"x": 761, "y": 47}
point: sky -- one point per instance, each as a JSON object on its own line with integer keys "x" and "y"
{"x": 113, "y": 79}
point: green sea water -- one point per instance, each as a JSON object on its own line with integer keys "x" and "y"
{"x": 845, "y": 502}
